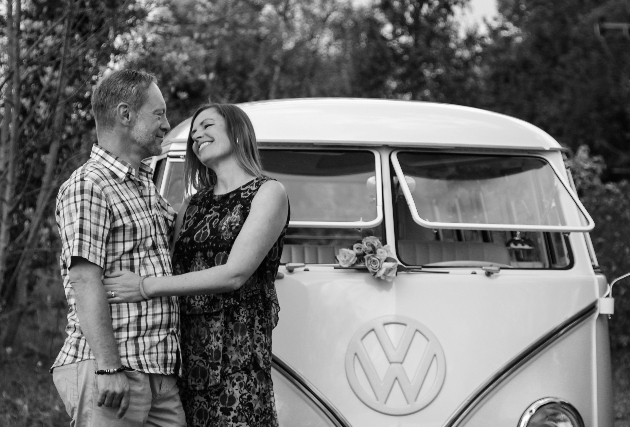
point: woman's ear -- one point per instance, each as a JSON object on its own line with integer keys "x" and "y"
{"x": 123, "y": 114}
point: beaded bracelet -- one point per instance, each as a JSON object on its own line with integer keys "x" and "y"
{"x": 141, "y": 285}
{"x": 113, "y": 371}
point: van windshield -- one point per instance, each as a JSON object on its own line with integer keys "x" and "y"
{"x": 335, "y": 196}
{"x": 327, "y": 187}
{"x": 467, "y": 193}
{"x": 488, "y": 192}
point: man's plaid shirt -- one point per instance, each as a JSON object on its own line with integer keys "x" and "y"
{"x": 118, "y": 221}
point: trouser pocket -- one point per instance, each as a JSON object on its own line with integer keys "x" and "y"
{"x": 65, "y": 379}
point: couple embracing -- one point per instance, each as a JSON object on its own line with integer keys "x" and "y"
{"x": 170, "y": 314}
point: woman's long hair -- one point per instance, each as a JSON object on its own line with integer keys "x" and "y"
{"x": 242, "y": 138}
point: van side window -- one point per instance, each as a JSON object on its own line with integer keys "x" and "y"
{"x": 333, "y": 197}
{"x": 158, "y": 176}
{"x": 173, "y": 188}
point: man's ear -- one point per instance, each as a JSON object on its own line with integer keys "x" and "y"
{"x": 123, "y": 114}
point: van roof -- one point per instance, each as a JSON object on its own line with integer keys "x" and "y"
{"x": 376, "y": 122}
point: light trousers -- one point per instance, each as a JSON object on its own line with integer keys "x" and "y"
{"x": 154, "y": 399}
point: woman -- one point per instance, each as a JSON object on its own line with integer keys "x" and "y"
{"x": 230, "y": 237}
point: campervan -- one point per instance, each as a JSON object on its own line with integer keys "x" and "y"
{"x": 495, "y": 313}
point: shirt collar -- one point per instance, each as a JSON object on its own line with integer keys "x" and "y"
{"x": 120, "y": 168}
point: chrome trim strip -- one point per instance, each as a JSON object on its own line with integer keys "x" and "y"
{"x": 309, "y": 389}
{"x": 478, "y": 396}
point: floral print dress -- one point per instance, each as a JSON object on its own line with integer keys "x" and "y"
{"x": 226, "y": 338}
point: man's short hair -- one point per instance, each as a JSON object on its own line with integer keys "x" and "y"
{"x": 128, "y": 86}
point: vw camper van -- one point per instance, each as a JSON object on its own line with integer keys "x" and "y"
{"x": 493, "y": 317}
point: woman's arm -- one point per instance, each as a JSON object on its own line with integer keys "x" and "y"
{"x": 260, "y": 231}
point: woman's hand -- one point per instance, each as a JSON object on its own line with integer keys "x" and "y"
{"x": 122, "y": 286}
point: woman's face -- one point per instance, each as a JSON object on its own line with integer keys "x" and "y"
{"x": 211, "y": 144}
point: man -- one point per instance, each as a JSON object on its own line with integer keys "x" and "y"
{"x": 117, "y": 364}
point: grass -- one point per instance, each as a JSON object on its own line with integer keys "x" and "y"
{"x": 621, "y": 387}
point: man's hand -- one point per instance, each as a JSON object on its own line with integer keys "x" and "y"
{"x": 113, "y": 391}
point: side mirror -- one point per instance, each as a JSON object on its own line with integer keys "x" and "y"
{"x": 607, "y": 302}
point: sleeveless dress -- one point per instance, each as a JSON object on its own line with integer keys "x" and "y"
{"x": 226, "y": 338}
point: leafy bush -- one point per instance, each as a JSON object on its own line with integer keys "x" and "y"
{"x": 609, "y": 205}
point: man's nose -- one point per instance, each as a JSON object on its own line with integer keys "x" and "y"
{"x": 165, "y": 125}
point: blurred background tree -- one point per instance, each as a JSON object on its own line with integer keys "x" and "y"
{"x": 239, "y": 51}
{"x": 545, "y": 64}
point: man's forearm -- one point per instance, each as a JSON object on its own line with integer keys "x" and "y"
{"x": 93, "y": 312}
{"x": 96, "y": 323}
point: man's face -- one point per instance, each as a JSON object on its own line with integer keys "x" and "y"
{"x": 151, "y": 124}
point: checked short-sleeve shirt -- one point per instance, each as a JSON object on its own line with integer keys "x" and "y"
{"x": 118, "y": 221}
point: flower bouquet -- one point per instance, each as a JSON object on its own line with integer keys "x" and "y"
{"x": 370, "y": 252}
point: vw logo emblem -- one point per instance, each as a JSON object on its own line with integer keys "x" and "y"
{"x": 395, "y": 365}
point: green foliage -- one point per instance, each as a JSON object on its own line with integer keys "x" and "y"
{"x": 545, "y": 64}
{"x": 241, "y": 51}
{"x": 609, "y": 205}
{"x": 429, "y": 59}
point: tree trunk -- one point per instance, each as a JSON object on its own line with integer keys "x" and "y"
{"x": 5, "y": 183}
{"x": 19, "y": 279}
{"x": 10, "y": 134}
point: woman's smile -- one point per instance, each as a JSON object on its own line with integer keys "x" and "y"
{"x": 203, "y": 144}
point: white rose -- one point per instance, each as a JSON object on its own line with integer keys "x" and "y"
{"x": 381, "y": 253}
{"x": 371, "y": 244}
{"x": 387, "y": 271}
{"x": 373, "y": 264}
{"x": 346, "y": 257}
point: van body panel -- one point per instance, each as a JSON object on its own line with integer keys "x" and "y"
{"x": 501, "y": 320}
{"x": 544, "y": 377}
{"x": 368, "y": 122}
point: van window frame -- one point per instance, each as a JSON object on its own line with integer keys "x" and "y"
{"x": 481, "y": 226}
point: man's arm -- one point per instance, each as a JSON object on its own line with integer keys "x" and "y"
{"x": 96, "y": 324}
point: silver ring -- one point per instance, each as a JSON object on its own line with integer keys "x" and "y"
{"x": 112, "y": 294}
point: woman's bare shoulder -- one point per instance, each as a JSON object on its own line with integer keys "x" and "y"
{"x": 272, "y": 186}
{"x": 271, "y": 192}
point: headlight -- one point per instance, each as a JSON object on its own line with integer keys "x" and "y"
{"x": 551, "y": 412}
